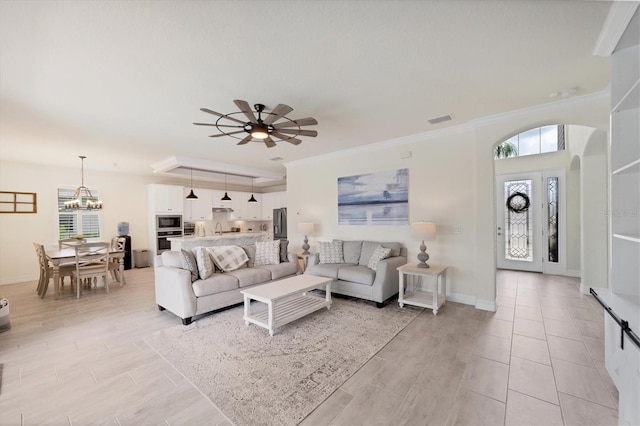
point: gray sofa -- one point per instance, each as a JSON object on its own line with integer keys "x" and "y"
{"x": 355, "y": 278}
{"x": 176, "y": 292}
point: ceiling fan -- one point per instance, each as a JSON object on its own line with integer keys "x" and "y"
{"x": 259, "y": 129}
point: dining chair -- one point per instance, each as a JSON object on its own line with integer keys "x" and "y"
{"x": 46, "y": 271}
{"x": 63, "y": 242}
{"x": 117, "y": 244}
{"x": 92, "y": 261}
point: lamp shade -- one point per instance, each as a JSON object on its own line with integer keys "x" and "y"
{"x": 305, "y": 227}
{"x": 425, "y": 231}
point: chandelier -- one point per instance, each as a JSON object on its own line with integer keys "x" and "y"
{"x": 76, "y": 202}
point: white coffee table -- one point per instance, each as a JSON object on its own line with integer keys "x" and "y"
{"x": 286, "y": 300}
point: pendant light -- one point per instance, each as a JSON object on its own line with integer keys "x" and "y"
{"x": 226, "y": 196}
{"x": 191, "y": 195}
{"x": 76, "y": 201}
{"x": 252, "y": 199}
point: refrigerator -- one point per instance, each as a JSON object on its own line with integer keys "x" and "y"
{"x": 280, "y": 224}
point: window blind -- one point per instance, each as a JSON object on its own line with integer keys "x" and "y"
{"x": 70, "y": 220}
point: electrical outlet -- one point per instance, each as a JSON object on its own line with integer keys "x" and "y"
{"x": 456, "y": 229}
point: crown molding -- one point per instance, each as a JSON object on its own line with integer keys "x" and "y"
{"x": 403, "y": 140}
{"x": 461, "y": 128}
{"x": 614, "y": 26}
{"x": 603, "y": 95}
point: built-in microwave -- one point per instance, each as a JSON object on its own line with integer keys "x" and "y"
{"x": 166, "y": 222}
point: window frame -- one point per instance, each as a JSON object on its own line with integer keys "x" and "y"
{"x": 79, "y": 218}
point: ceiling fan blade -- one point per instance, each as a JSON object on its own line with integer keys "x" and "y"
{"x": 246, "y": 109}
{"x": 245, "y": 140}
{"x": 312, "y": 133}
{"x": 216, "y": 125}
{"x": 309, "y": 121}
{"x": 286, "y": 138}
{"x": 278, "y": 112}
{"x": 221, "y": 115}
{"x": 226, "y": 134}
{"x": 269, "y": 142}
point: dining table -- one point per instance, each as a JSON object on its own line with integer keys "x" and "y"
{"x": 66, "y": 254}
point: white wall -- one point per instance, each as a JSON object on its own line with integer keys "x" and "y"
{"x": 124, "y": 197}
{"x": 451, "y": 182}
{"x": 589, "y": 153}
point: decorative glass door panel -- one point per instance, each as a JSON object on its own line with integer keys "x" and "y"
{"x": 519, "y": 233}
{"x": 518, "y": 224}
{"x": 552, "y": 219}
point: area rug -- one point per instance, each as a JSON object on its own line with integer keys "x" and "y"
{"x": 256, "y": 379}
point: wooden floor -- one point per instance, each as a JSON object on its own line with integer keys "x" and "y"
{"x": 537, "y": 360}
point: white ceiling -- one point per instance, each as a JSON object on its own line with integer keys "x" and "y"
{"x": 122, "y": 81}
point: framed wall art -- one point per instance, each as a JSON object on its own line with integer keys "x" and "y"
{"x": 380, "y": 198}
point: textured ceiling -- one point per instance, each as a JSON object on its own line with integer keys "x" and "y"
{"x": 122, "y": 81}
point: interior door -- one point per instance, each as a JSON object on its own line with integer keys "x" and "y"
{"x": 519, "y": 221}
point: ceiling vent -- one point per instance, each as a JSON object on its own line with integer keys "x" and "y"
{"x": 440, "y": 119}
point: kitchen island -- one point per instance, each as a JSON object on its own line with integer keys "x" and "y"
{"x": 226, "y": 239}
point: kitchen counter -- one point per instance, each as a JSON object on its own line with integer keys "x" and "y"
{"x": 226, "y": 239}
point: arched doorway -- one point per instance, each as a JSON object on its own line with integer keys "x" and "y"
{"x": 539, "y": 204}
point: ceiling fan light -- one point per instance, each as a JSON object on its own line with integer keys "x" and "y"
{"x": 259, "y": 133}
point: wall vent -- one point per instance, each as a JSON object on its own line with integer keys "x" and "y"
{"x": 440, "y": 119}
{"x": 276, "y": 159}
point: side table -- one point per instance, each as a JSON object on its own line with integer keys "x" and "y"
{"x": 305, "y": 259}
{"x": 427, "y": 299}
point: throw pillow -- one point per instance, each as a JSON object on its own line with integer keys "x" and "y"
{"x": 267, "y": 253}
{"x": 206, "y": 267}
{"x": 330, "y": 252}
{"x": 228, "y": 258}
{"x": 189, "y": 263}
{"x": 378, "y": 254}
{"x": 284, "y": 249}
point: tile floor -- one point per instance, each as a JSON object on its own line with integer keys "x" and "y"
{"x": 538, "y": 360}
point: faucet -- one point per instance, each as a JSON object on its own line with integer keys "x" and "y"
{"x": 218, "y": 232}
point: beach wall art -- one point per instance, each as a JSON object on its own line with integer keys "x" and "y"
{"x": 380, "y": 198}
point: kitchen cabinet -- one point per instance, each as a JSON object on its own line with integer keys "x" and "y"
{"x": 165, "y": 199}
{"x": 200, "y": 208}
{"x": 267, "y": 205}
{"x": 239, "y": 205}
{"x": 254, "y": 210}
{"x": 272, "y": 200}
{"x": 216, "y": 198}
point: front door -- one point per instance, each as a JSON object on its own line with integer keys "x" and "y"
{"x": 531, "y": 217}
{"x": 519, "y": 221}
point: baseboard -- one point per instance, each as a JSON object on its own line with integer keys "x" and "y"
{"x": 584, "y": 289}
{"x": 16, "y": 280}
{"x": 465, "y": 299}
{"x": 486, "y": 305}
{"x": 573, "y": 273}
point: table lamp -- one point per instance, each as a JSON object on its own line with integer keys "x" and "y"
{"x": 425, "y": 231}
{"x": 306, "y": 228}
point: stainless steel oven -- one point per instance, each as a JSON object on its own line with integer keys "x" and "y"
{"x": 168, "y": 222}
{"x": 163, "y": 239}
